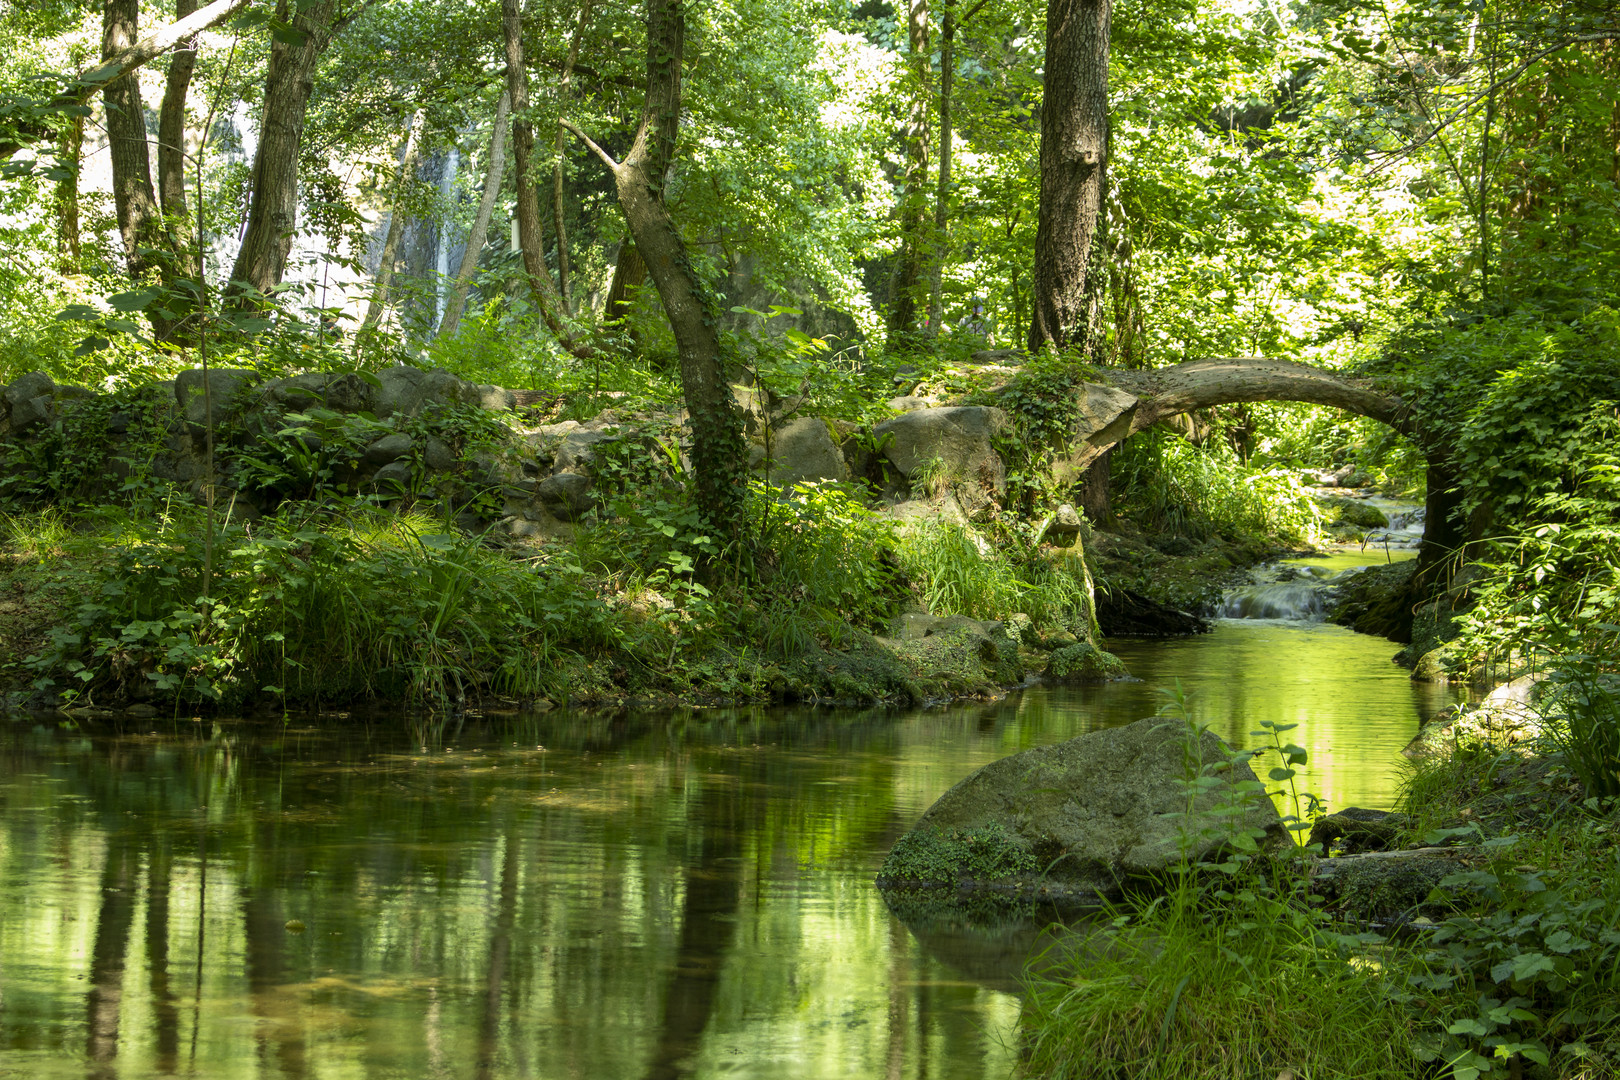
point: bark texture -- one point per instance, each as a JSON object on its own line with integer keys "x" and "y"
{"x": 629, "y": 272}
{"x": 396, "y": 219}
{"x": 69, "y": 152}
{"x": 908, "y": 285}
{"x": 1074, "y": 174}
{"x": 139, "y": 219}
{"x": 273, "y": 214}
{"x": 718, "y": 461}
{"x": 564, "y": 91}
{"x": 942, "y": 199}
{"x": 456, "y": 303}
{"x": 171, "y": 151}
{"x": 530, "y": 238}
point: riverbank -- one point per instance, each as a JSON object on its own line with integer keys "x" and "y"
{"x": 1476, "y": 933}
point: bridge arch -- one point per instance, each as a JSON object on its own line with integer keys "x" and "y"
{"x": 1132, "y": 400}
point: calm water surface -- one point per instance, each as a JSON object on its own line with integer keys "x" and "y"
{"x": 563, "y": 895}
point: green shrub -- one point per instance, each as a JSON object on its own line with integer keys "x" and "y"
{"x": 351, "y": 605}
{"x": 1167, "y": 485}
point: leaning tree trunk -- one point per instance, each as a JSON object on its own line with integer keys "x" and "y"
{"x": 942, "y": 200}
{"x": 457, "y": 302}
{"x": 718, "y": 462}
{"x": 557, "y": 187}
{"x": 1074, "y": 169}
{"x": 908, "y": 285}
{"x": 273, "y": 213}
{"x": 396, "y": 219}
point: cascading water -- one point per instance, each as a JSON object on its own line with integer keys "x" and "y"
{"x": 1301, "y": 590}
{"x": 1296, "y": 601}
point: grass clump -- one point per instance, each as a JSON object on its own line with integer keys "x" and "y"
{"x": 955, "y": 572}
{"x": 1251, "y": 988}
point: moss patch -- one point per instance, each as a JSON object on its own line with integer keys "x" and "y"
{"x": 1085, "y": 663}
{"x": 934, "y": 857}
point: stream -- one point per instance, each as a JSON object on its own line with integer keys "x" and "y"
{"x": 564, "y": 895}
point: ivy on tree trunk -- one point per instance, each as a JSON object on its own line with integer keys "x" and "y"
{"x": 718, "y": 459}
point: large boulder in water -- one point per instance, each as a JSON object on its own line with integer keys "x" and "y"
{"x": 1077, "y": 821}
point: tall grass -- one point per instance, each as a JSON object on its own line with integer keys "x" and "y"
{"x": 1190, "y": 990}
{"x": 957, "y": 572}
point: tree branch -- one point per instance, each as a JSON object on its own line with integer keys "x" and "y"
{"x": 90, "y": 81}
{"x": 607, "y": 158}
{"x": 1466, "y": 109}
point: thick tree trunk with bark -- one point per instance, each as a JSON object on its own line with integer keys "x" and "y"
{"x": 171, "y": 151}
{"x": 273, "y": 214}
{"x": 718, "y": 462}
{"x": 457, "y": 301}
{"x": 1074, "y": 172}
{"x": 139, "y": 219}
{"x": 629, "y": 272}
{"x": 908, "y": 285}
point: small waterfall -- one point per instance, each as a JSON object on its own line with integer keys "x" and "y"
{"x": 1298, "y": 601}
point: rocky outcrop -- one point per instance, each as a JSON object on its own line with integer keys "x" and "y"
{"x": 1080, "y": 820}
{"x": 1508, "y": 716}
{"x": 948, "y": 449}
{"x": 800, "y": 451}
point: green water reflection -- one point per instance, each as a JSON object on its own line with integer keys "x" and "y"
{"x": 558, "y": 895}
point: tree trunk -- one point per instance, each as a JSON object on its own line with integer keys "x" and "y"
{"x": 718, "y": 462}
{"x": 273, "y": 213}
{"x": 1130, "y": 321}
{"x": 562, "y": 146}
{"x": 456, "y": 303}
{"x": 628, "y": 273}
{"x": 530, "y": 239}
{"x": 942, "y": 201}
{"x": 396, "y": 219}
{"x": 908, "y": 282}
{"x": 172, "y": 147}
{"x": 139, "y": 220}
{"x": 69, "y": 152}
{"x": 104, "y": 994}
{"x": 1074, "y": 169}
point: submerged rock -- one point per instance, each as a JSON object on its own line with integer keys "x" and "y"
{"x": 1084, "y": 663}
{"x": 1079, "y": 820}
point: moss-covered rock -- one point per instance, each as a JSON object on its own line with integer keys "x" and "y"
{"x": 1084, "y": 663}
{"x": 1376, "y": 601}
{"x": 1382, "y": 887}
{"x": 1075, "y": 821}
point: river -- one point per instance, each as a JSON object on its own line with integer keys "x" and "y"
{"x": 565, "y": 895}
